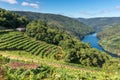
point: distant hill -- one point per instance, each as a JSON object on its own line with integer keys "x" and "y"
{"x": 110, "y": 39}
{"x": 71, "y": 25}
{"x": 100, "y": 23}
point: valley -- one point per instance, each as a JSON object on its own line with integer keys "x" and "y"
{"x": 51, "y": 48}
{"x": 107, "y": 29}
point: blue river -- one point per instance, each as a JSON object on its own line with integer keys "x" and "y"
{"x": 93, "y": 40}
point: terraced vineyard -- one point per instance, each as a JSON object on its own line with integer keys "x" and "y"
{"x": 17, "y": 41}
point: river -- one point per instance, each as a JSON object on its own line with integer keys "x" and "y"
{"x": 93, "y": 40}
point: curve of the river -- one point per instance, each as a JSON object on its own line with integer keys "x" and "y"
{"x": 93, "y": 40}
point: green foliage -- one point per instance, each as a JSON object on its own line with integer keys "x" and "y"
{"x": 87, "y": 57}
{"x": 39, "y": 73}
{"x": 112, "y": 65}
{"x": 75, "y": 50}
{"x": 51, "y": 73}
{"x": 11, "y": 20}
{"x": 70, "y": 25}
{"x": 3, "y": 60}
{"x": 17, "y": 41}
{"x": 110, "y": 39}
{"x": 41, "y": 31}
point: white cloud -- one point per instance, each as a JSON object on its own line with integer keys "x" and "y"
{"x": 86, "y": 13}
{"x": 95, "y": 13}
{"x": 117, "y": 7}
{"x": 30, "y": 4}
{"x": 10, "y": 1}
{"x": 104, "y": 11}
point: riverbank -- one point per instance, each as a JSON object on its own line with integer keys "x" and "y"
{"x": 94, "y": 42}
{"x": 111, "y": 54}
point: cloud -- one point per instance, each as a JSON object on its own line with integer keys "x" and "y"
{"x": 86, "y": 13}
{"x": 10, "y": 1}
{"x": 30, "y": 4}
{"x": 104, "y": 11}
{"x": 117, "y": 7}
{"x": 95, "y": 13}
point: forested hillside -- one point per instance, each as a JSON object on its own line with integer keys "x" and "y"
{"x": 47, "y": 52}
{"x": 110, "y": 39}
{"x": 71, "y": 25}
{"x": 75, "y": 50}
{"x": 10, "y": 20}
{"x": 100, "y": 23}
{"x": 67, "y": 47}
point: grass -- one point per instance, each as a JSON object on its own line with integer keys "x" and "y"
{"x": 25, "y": 56}
{"x": 64, "y": 70}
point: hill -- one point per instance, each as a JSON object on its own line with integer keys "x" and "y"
{"x": 9, "y": 20}
{"x": 46, "y": 52}
{"x": 71, "y": 25}
{"x": 24, "y": 57}
{"x": 110, "y": 39}
{"x": 47, "y": 42}
{"x": 100, "y": 23}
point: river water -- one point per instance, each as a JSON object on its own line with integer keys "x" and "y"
{"x": 93, "y": 40}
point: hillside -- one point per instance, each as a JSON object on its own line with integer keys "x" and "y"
{"x": 18, "y": 68}
{"x": 110, "y": 39}
{"x": 9, "y": 20}
{"x": 24, "y": 58}
{"x": 47, "y": 42}
{"x": 71, "y": 25}
{"x": 46, "y": 52}
{"x": 100, "y": 23}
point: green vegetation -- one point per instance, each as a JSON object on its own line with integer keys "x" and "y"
{"x": 110, "y": 39}
{"x": 41, "y": 72}
{"x": 41, "y": 31}
{"x": 9, "y": 20}
{"x": 47, "y": 52}
{"x": 17, "y": 41}
{"x": 100, "y": 23}
{"x": 70, "y": 25}
{"x": 75, "y": 50}
{"x": 20, "y": 70}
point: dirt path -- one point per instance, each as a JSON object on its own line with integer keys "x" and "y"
{"x": 43, "y": 62}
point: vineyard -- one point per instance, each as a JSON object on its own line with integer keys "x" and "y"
{"x": 46, "y": 51}
{"x": 17, "y": 41}
{"x": 30, "y": 59}
{"x": 20, "y": 70}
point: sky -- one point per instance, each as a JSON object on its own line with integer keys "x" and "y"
{"x": 71, "y": 8}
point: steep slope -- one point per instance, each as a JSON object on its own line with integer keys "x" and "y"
{"x": 71, "y": 25}
{"x": 110, "y": 39}
{"x": 61, "y": 45}
{"x": 100, "y": 23}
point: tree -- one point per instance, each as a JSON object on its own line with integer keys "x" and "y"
{"x": 12, "y": 20}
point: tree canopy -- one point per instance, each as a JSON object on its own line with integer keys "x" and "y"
{"x": 75, "y": 50}
{"x": 10, "y": 20}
